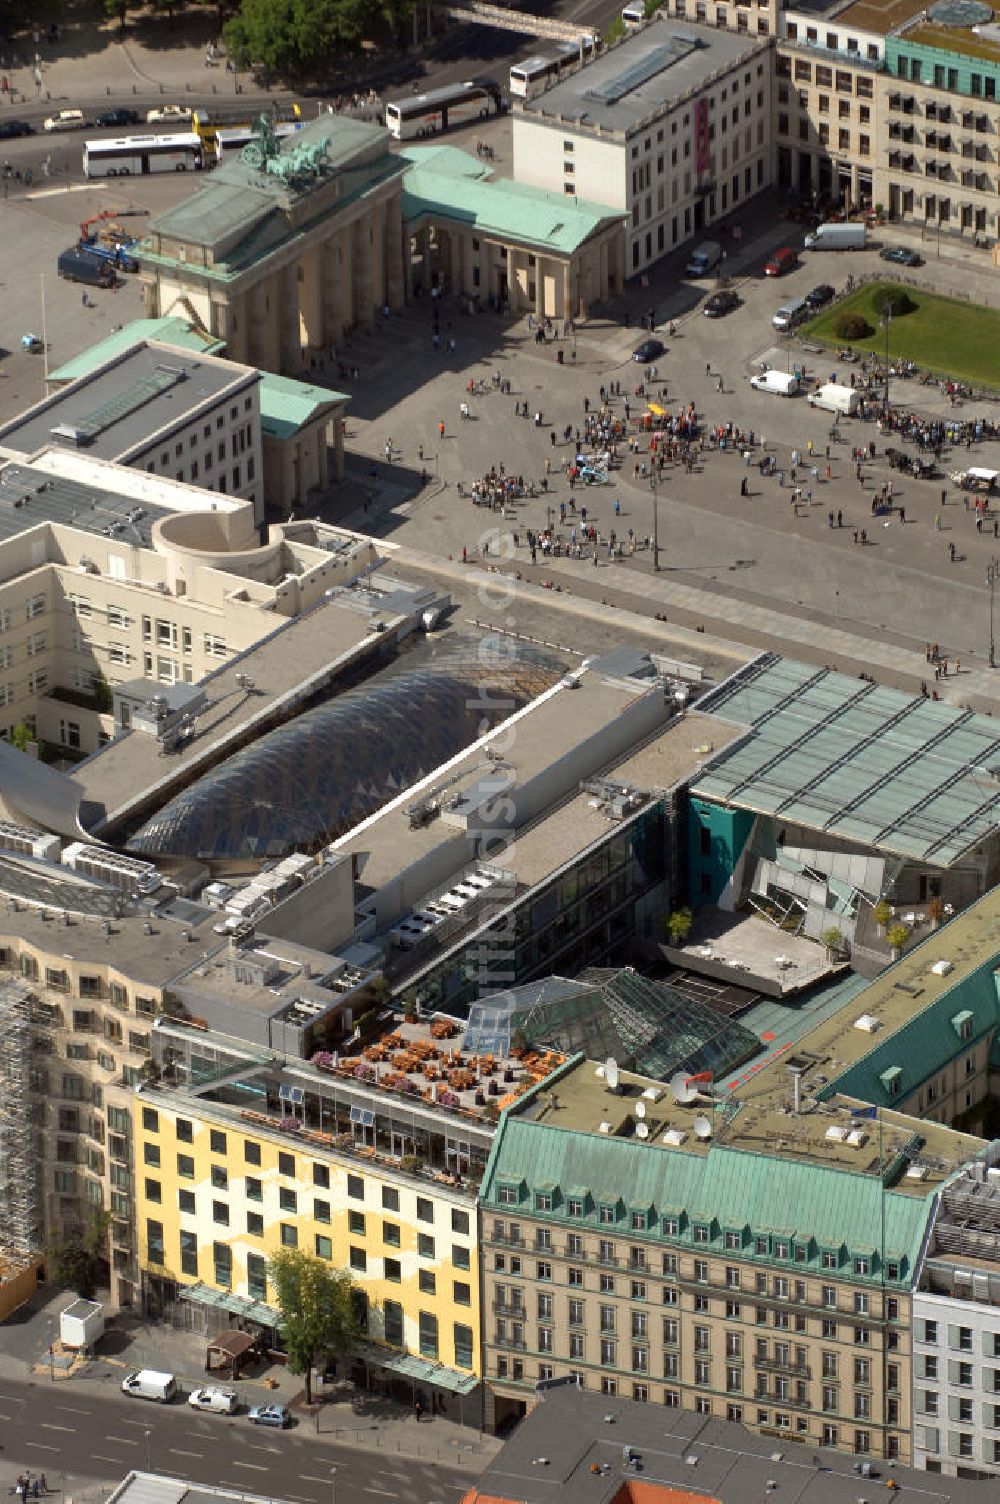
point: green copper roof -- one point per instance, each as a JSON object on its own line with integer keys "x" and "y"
{"x": 285, "y": 405}
{"x": 500, "y": 210}
{"x": 726, "y": 1188}
{"x": 937, "y": 1033}
{"x": 861, "y": 762}
{"x": 242, "y": 215}
{"x": 170, "y": 330}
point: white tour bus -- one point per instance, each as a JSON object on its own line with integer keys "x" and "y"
{"x": 536, "y": 73}
{"x": 125, "y": 156}
{"x": 440, "y": 109}
{"x": 230, "y": 140}
{"x": 634, "y": 15}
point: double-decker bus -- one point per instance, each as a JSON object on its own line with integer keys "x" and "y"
{"x": 208, "y": 123}
{"x": 441, "y": 109}
{"x": 132, "y": 156}
{"x": 230, "y": 140}
{"x": 534, "y": 74}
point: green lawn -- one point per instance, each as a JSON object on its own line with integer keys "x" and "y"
{"x": 960, "y": 340}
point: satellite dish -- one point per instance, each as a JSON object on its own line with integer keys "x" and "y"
{"x": 683, "y": 1094}
{"x": 702, "y": 1128}
{"x": 611, "y": 1073}
{"x": 640, "y": 1109}
{"x": 642, "y": 1130}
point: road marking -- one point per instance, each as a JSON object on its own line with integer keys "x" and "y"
{"x": 258, "y": 1467}
{"x": 99, "y": 1457}
{"x": 143, "y": 1425}
{"x": 311, "y": 1478}
{"x": 385, "y": 1492}
{"x": 179, "y": 1452}
{"x": 47, "y": 1425}
{"x": 71, "y": 1409}
{"x": 39, "y": 1446}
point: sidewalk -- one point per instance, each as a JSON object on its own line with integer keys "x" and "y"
{"x": 379, "y": 1424}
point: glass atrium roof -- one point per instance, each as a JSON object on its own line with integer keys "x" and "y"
{"x": 870, "y": 765}
{"x": 647, "y": 1026}
{"x": 307, "y": 782}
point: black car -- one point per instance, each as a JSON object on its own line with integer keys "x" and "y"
{"x": 650, "y": 349}
{"x": 820, "y": 295}
{"x": 721, "y": 303}
{"x": 10, "y": 128}
{"x": 118, "y": 117}
{"x": 901, "y": 254}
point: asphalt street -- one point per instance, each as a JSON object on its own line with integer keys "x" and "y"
{"x": 81, "y": 1440}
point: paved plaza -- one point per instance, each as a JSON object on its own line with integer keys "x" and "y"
{"x": 749, "y": 568}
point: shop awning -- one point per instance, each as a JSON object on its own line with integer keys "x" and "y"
{"x": 420, "y": 1370}
{"x": 236, "y": 1305}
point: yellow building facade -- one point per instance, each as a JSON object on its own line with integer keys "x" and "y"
{"x": 217, "y": 1195}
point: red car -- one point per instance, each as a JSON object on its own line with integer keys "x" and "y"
{"x": 781, "y": 262}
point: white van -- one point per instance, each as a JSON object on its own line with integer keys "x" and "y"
{"x": 147, "y": 1384}
{"x": 778, "y": 383}
{"x": 790, "y": 314}
{"x": 633, "y": 15}
{"x": 834, "y": 398}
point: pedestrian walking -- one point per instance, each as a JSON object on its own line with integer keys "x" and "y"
{"x": 440, "y": 428}
{"x": 840, "y": 519}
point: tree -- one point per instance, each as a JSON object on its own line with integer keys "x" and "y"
{"x": 317, "y": 1305}
{"x": 21, "y": 736}
{"x": 78, "y": 1260}
{"x": 615, "y": 31}
{"x": 882, "y": 913}
{"x": 294, "y": 36}
{"x": 678, "y": 926}
{"x": 897, "y": 936}
{"x": 833, "y": 939}
{"x": 115, "y": 10}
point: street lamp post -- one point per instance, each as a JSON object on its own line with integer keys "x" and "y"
{"x": 886, "y": 322}
{"x": 656, "y": 521}
{"x": 333, "y": 1485}
{"x": 149, "y": 1465}
{"x": 992, "y": 575}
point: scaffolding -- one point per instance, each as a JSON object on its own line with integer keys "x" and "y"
{"x": 20, "y": 1226}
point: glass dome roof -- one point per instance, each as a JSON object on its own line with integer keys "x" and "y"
{"x": 305, "y": 783}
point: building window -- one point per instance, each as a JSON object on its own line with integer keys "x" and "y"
{"x": 222, "y": 1259}
{"x": 324, "y": 1246}
{"x": 256, "y": 1276}
{"x": 290, "y": 1236}
{"x": 428, "y": 1335}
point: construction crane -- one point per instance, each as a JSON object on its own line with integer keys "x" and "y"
{"x": 110, "y": 214}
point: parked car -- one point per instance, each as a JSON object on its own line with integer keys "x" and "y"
{"x": 220, "y": 1401}
{"x": 781, "y": 262}
{"x": 65, "y": 120}
{"x": 118, "y": 117}
{"x": 168, "y": 112}
{"x": 901, "y": 254}
{"x": 32, "y": 342}
{"x": 650, "y": 349}
{"x": 721, "y": 303}
{"x": 820, "y": 296}
{"x": 11, "y": 128}
{"x": 270, "y": 1415}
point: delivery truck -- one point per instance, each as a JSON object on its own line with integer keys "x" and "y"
{"x": 837, "y": 237}
{"x": 834, "y": 398}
